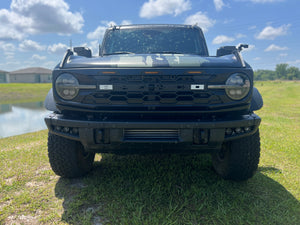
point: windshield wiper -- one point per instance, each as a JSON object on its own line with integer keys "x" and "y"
{"x": 119, "y": 53}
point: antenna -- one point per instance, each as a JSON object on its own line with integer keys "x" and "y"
{"x": 71, "y": 43}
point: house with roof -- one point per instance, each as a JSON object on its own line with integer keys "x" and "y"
{"x": 31, "y": 75}
{"x": 4, "y": 76}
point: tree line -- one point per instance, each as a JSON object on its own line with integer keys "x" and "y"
{"x": 282, "y": 72}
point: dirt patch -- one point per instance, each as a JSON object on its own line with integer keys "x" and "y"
{"x": 34, "y": 184}
{"x": 21, "y": 220}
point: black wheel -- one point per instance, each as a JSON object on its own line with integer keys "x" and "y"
{"x": 238, "y": 160}
{"x": 68, "y": 158}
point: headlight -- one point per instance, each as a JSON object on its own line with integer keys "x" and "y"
{"x": 237, "y": 86}
{"x": 67, "y": 86}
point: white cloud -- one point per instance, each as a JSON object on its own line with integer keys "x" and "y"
{"x": 8, "y": 50}
{"x": 154, "y": 8}
{"x": 99, "y": 32}
{"x": 7, "y": 47}
{"x": 9, "y": 55}
{"x": 219, "y": 4}
{"x": 29, "y": 45}
{"x": 294, "y": 63}
{"x": 283, "y": 55}
{"x": 222, "y": 39}
{"x": 27, "y": 17}
{"x": 201, "y": 19}
{"x": 273, "y": 47}
{"x": 49, "y": 64}
{"x": 240, "y": 35}
{"x": 270, "y": 33}
{"x": 58, "y": 48}
{"x": 38, "y": 57}
{"x": 126, "y": 22}
{"x": 12, "y": 25}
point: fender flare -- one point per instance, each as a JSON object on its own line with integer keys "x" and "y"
{"x": 50, "y": 103}
{"x": 257, "y": 100}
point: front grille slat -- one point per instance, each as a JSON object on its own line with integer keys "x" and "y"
{"x": 151, "y": 135}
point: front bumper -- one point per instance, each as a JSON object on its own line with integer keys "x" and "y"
{"x": 124, "y": 137}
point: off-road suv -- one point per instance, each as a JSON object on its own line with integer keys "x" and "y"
{"x": 154, "y": 88}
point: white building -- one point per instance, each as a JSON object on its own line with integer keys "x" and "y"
{"x": 4, "y": 76}
{"x": 31, "y": 75}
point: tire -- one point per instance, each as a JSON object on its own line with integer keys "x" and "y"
{"x": 68, "y": 158}
{"x": 238, "y": 160}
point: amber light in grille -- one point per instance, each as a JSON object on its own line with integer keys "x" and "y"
{"x": 108, "y": 72}
{"x": 194, "y": 72}
{"x": 151, "y": 72}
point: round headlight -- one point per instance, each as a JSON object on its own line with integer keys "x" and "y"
{"x": 237, "y": 86}
{"x": 67, "y": 86}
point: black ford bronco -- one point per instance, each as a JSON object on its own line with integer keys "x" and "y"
{"x": 154, "y": 88}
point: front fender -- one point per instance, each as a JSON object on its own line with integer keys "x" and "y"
{"x": 50, "y": 103}
{"x": 257, "y": 101}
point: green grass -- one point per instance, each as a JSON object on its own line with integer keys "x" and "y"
{"x": 160, "y": 189}
{"x": 20, "y": 93}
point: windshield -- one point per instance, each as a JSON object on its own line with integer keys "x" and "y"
{"x": 176, "y": 40}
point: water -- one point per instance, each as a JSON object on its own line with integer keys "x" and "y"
{"x": 22, "y": 118}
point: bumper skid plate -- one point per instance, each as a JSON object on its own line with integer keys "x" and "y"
{"x": 118, "y": 136}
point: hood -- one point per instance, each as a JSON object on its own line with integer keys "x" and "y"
{"x": 152, "y": 61}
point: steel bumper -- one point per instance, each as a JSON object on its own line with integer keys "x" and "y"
{"x": 152, "y": 135}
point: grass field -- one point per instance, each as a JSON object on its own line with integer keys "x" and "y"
{"x": 20, "y": 93}
{"x": 161, "y": 189}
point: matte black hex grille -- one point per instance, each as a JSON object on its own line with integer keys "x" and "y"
{"x": 152, "y": 90}
{"x": 145, "y": 98}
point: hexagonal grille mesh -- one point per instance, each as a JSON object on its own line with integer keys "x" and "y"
{"x": 151, "y": 90}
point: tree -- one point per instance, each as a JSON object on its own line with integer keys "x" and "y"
{"x": 264, "y": 75}
{"x": 293, "y": 73}
{"x": 281, "y": 71}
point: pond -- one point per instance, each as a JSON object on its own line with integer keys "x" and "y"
{"x": 22, "y": 118}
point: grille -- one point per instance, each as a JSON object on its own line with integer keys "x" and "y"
{"x": 152, "y": 90}
{"x": 151, "y": 135}
{"x": 146, "y": 98}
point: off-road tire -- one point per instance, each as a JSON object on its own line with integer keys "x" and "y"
{"x": 68, "y": 158}
{"x": 238, "y": 160}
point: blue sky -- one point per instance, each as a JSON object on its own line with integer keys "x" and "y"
{"x": 38, "y": 32}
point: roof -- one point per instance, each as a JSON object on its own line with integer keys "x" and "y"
{"x": 153, "y": 26}
{"x": 2, "y": 71}
{"x": 32, "y": 70}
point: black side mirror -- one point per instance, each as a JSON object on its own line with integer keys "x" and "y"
{"x": 83, "y": 51}
{"x": 226, "y": 50}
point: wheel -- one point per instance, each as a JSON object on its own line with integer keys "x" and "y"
{"x": 238, "y": 160}
{"x": 68, "y": 158}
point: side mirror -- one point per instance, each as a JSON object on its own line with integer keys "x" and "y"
{"x": 225, "y": 50}
{"x": 83, "y": 51}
